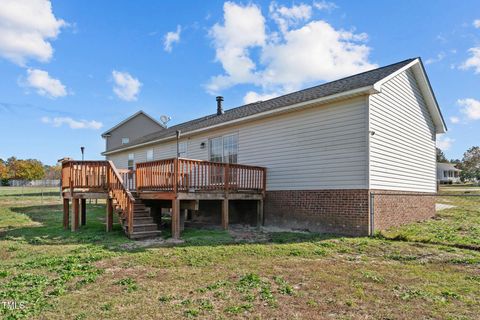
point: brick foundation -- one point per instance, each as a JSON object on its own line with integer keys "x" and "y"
{"x": 344, "y": 211}
{"x": 327, "y": 211}
{"x": 393, "y": 208}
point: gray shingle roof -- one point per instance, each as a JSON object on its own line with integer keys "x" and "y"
{"x": 357, "y": 81}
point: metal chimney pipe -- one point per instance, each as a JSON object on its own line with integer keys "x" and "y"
{"x": 219, "y": 105}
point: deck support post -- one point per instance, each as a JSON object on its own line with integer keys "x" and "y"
{"x": 109, "y": 218}
{"x": 176, "y": 219}
{"x": 225, "y": 214}
{"x": 83, "y": 207}
{"x": 66, "y": 213}
{"x": 259, "y": 213}
{"x": 76, "y": 211}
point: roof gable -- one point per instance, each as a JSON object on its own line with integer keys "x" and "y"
{"x": 423, "y": 82}
{"x": 135, "y": 115}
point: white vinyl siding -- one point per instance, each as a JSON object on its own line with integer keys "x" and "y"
{"x": 402, "y": 150}
{"x": 322, "y": 147}
{"x": 120, "y": 160}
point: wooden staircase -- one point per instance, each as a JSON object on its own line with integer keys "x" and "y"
{"x": 144, "y": 225}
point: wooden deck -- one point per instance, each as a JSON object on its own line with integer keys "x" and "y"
{"x": 176, "y": 180}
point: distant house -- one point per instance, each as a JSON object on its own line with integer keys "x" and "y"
{"x": 136, "y": 126}
{"x": 447, "y": 173}
{"x": 315, "y": 155}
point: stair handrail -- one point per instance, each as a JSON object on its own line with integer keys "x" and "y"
{"x": 123, "y": 196}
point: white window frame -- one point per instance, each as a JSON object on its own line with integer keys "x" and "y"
{"x": 131, "y": 157}
{"x": 223, "y": 137}
{"x": 182, "y": 149}
{"x": 125, "y": 140}
{"x": 216, "y": 175}
{"x": 150, "y": 155}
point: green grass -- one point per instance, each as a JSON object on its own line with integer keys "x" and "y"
{"x": 423, "y": 270}
{"x": 458, "y": 226}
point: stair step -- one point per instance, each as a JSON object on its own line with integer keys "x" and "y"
{"x": 141, "y": 214}
{"x": 145, "y": 227}
{"x": 142, "y": 220}
{"x": 145, "y": 234}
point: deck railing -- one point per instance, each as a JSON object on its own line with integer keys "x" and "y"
{"x": 188, "y": 175}
{"x": 100, "y": 176}
{"x": 84, "y": 174}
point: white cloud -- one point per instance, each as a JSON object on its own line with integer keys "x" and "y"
{"x": 438, "y": 58}
{"x": 454, "y": 120}
{"x": 253, "y": 96}
{"x": 315, "y": 52}
{"x": 126, "y": 87}
{"x": 445, "y": 143}
{"x": 73, "y": 124}
{"x": 44, "y": 84}
{"x": 26, "y": 27}
{"x": 288, "y": 60}
{"x": 286, "y": 17}
{"x": 476, "y": 23}
{"x": 470, "y": 107}
{"x": 171, "y": 38}
{"x": 243, "y": 28}
{"x": 474, "y": 61}
{"x": 325, "y": 5}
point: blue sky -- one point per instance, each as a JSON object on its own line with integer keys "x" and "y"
{"x": 70, "y": 70}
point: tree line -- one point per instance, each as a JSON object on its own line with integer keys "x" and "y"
{"x": 27, "y": 169}
{"x": 469, "y": 164}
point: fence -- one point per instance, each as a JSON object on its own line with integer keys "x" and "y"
{"x": 34, "y": 183}
{"x": 389, "y": 209}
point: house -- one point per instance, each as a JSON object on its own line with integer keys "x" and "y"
{"x": 307, "y": 160}
{"x": 136, "y": 126}
{"x": 447, "y": 173}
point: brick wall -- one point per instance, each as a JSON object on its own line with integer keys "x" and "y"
{"x": 330, "y": 211}
{"x": 345, "y": 211}
{"x": 393, "y": 208}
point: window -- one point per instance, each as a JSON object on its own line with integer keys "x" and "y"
{"x": 182, "y": 149}
{"x": 445, "y": 174}
{"x": 230, "y": 148}
{"x": 131, "y": 161}
{"x": 150, "y": 155}
{"x": 125, "y": 140}
{"x": 216, "y": 149}
{"x": 224, "y": 149}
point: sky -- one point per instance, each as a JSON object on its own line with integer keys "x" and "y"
{"x": 70, "y": 70}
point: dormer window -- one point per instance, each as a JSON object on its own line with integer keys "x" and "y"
{"x": 125, "y": 140}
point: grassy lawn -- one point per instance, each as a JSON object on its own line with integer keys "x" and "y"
{"x": 458, "y": 226}
{"x": 423, "y": 270}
